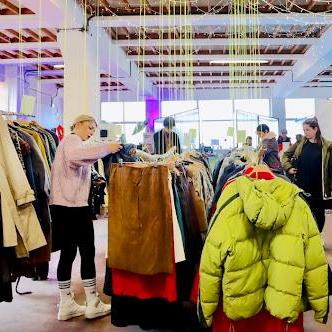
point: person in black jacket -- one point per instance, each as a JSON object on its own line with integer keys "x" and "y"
{"x": 283, "y": 137}
{"x": 166, "y": 138}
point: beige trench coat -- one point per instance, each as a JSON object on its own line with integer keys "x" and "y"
{"x": 20, "y": 222}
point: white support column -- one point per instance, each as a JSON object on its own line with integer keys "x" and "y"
{"x": 278, "y": 111}
{"x": 324, "y": 116}
{"x": 81, "y": 74}
{"x": 11, "y": 81}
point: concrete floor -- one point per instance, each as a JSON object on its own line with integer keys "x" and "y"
{"x": 37, "y": 312}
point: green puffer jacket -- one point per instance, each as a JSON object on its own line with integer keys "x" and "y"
{"x": 263, "y": 249}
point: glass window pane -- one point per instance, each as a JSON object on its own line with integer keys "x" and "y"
{"x": 257, "y": 106}
{"x": 215, "y": 109}
{"x": 134, "y": 111}
{"x": 112, "y": 111}
{"x": 217, "y": 130}
{"x": 300, "y": 108}
{"x": 173, "y": 107}
{"x": 130, "y": 138}
{"x": 294, "y": 127}
{"x": 297, "y": 110}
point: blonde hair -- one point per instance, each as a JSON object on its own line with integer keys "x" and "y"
{"x": 82, "y": 118}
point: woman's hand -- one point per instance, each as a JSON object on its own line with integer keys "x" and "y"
{"x": 114, "y": 147}
{"x": 292, "y": 171}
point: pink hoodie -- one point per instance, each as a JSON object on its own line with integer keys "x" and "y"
{"x": 71, "y": 171}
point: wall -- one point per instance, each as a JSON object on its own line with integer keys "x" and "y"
{"x": 324, "y": 115}
{"x": 3, "y": 96}
{"x": 49, "y": 109}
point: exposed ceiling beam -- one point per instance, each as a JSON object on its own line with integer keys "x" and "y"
{"x": 10, "y": 6}
{"x": 28, "y": 45}
{"x": 113, "y": 60}
{"x": 216, "y": 93}
{"x": 211, "y": 57}
{"x": 312, "y": 4}
{"x": 10, "y": 55}
{"x": 155, "y": 21}
{"x": 62, "y": 81}
{"x": 48, "y": 53}
{"x": 49, "y": 14}
{"x": 49, "y": 72}
{"x": 215, "y": 78}
{"x": 214, "y": 42}
{"x": 315, "y": 60}
{"x": 212, "y": 69}
{"x": 4, "y": 38}
{"x": 17, "y": 34}
{"x": 30, "y": 61}
{"x": 49, "y": 33}
{"x": 32, "y": 34}
{"x": 214, "y": 85}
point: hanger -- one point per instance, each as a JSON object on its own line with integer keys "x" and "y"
{"x": 253, "y": 171}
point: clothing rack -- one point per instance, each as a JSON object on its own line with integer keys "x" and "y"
{"x": 160, "y": 294}
{"x": 153, "y": 163}
{"x": 16, "y": 114}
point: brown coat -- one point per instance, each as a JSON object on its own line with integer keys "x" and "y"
{"x": 140, "y": 220}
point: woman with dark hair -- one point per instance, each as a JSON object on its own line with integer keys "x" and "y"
{"x": 310, "y": 161}
{"x": 268, "y": 149}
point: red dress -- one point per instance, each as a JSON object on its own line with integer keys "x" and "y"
{"x": 144, "y": 286}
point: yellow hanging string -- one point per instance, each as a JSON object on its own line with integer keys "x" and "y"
{"x": 85, "y": 55}
{"x": 20, "y": 51}
{"x": 139, "y": 58}
{"x": 39, "y": 81}
{"x": 144, "y": 44}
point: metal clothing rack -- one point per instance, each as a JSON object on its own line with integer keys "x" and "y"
{"x": 4, "y": 113}
{"x": 16, "y": 114}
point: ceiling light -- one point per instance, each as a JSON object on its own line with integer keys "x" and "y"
{"x": 237, "y": 61}
{"x": 329, "y": 98}
{"x": 59, "y": 66}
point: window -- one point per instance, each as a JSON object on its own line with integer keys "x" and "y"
{"x": 127, "y": 115}
{"x": 217, "y": 117}
{"x": 215, "y": 109}
{"x": 256, "y": 106}
{"x": 297, "y": 110}
{"x": 173, "y": 107}
{"x": 112, "y": 112}
{"x": 134, "y": 111}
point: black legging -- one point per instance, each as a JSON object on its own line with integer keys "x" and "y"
{"x": 317, "y": 208}
{"x": 319, "y": 214}
{"x": 72, "y": 229}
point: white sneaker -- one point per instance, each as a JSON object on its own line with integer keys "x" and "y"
{"x": 68, "y": 308}
{"x": 95, "y": 308}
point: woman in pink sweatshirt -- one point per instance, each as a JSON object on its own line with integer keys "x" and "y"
{"x": 72, "y": 226}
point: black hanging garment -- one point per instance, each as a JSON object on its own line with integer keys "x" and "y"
{"x": 6, "y": 259}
